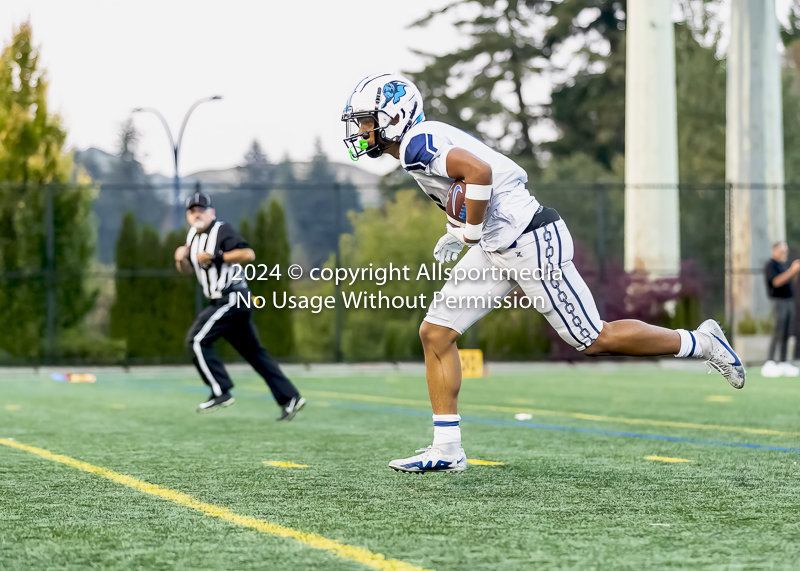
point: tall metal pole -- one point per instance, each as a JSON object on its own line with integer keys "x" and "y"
{"x": 652, "y": 237}
{"x": 176, "y": 194}
{"x": 176, "y": 146}
{"x": 754, "y": 152}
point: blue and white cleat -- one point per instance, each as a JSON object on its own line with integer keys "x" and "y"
{"x": 431, "y": 460}
{"x": 720, "y": 356}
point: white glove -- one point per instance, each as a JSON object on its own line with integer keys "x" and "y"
{"x": 458, "y": 234}
{"x": 449, "y": 246}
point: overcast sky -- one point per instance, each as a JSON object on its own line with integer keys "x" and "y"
{"x": 284, "y": 70}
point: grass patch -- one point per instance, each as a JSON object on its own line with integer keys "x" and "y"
{"x": 558, "y": 500}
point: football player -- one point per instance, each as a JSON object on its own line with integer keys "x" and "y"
{"x": 506, "y": 228}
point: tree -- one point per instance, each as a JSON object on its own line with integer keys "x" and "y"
{"x": 129, "y": 170}
{"x": 270, "y": 241}
{"x": 481, "y": 88}
{"x": 256, "y": 166}
{"x": 255, "y": 186}
{"x": 791, "y": 130}
{"x": 316, "y": 208}
{"x": 791, "y": 98}
{"x": 471, "y": 87}
{"x": 588, "y": 107}
{"x": 127, "y": 188}
{"x": 415, "y": 226}
{"x": 32, "y": 155}
{"x": 503, "y": 54}
{"x": 393, "y": 333}
{"x": 700, "y": 90}
{"x": 154, "y": 304}
{"x": 791, "y": 33}
{"x": 32, "y": 139}
{"x": 126, "y": 292}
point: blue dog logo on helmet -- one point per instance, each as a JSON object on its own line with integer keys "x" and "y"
{"x": 393, "y": 91}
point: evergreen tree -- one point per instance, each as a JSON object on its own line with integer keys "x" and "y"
{"x": 791, "y": 130}
{"x": 284, "y": 171}
{"x": 700, "y": 90}
{"x": 177, "y": 306}
{"x": 469, "y": 86}
{"x": 317, "y": 208}
{"x": 256, "y": 166}
{"x": 31, "y": 155}
{"x": 255, "y": 185}
{"x": 269, "y": 240}
{"x": 513, "y": 42}
{"x": 129, "y": 170}
{"x": 791, "y": 33}
{"x": 146, "y": 328}
{"x": 154, "y": 304}
{"x": 129, "y": 190}
{"x": 503, "y": 54}
{"x": 791, "y": 99}
{"x": 588, "y": 108}
{"x": 126, "y": 299}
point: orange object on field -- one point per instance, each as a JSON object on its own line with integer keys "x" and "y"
{"x": 74, "y": 377}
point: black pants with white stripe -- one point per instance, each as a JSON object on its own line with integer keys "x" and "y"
{"x": 222, "y": 318}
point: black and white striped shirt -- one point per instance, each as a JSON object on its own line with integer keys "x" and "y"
{"x": 218, "y": 279}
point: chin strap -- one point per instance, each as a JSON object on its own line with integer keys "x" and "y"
{"x": 411, "y": 119}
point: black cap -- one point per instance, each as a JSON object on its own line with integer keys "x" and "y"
{"x": 198, "y": 199}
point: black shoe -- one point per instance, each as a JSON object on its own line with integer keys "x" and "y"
{"x": 215, "y": 403}
{"x": 292, "y": 408}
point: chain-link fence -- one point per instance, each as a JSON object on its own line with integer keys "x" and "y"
{"x": 88, "y": 274}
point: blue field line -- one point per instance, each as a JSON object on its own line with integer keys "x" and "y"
{"x": 521, "y": 424}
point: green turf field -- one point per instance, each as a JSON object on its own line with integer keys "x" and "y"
{"x": 574, "y": 490}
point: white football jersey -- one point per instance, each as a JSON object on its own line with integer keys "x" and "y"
{"x": 423, "y": 154}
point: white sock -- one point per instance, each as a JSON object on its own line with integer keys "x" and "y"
{"x": 446, "y": 433}
{"x": 690, "y": 344}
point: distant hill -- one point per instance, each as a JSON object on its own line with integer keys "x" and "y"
{"x": 309, "y": 208}
{"x": 106, "y": 168}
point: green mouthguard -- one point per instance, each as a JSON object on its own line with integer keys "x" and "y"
{"x": 362, "y": 144}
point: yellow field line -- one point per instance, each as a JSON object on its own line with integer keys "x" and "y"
{"x": 484, "y": 462}
{"x": 666, "y": 459}
{"x": 349, "y": 552}
{"x": 541, "y": 412}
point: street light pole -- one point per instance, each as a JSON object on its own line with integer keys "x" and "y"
{"x": 176, "y": 146}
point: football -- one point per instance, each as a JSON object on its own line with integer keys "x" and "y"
{"x": 456, "y": 207}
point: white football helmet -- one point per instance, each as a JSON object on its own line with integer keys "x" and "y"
{"x": 381, "y": 97}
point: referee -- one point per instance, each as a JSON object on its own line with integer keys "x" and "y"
{"x": 214, "y": 251}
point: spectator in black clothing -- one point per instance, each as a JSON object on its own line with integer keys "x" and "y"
{"x": 779, "y": 274}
